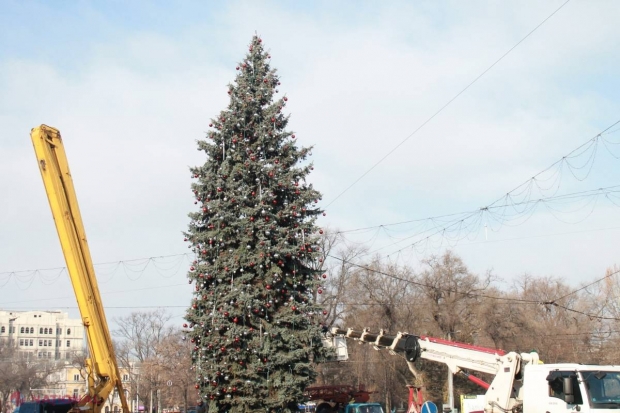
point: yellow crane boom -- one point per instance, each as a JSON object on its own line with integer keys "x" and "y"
{"x": 102, "y": 368}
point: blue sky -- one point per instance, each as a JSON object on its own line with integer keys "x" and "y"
{"x": 132, "y": 85}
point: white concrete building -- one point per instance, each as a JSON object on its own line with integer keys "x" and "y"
{"x": 43, "y": 334}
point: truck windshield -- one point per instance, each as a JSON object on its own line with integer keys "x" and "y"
{"x": 603, "y": 388}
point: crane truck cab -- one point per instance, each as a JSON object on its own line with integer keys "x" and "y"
{"x": 555, "y": 388}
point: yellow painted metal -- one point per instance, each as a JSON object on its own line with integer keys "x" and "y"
{"x": 104, "y": 375}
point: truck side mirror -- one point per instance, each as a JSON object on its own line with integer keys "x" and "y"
{"x": 567, "y": 384}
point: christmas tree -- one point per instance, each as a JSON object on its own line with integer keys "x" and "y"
{"x": 254, "y": 321}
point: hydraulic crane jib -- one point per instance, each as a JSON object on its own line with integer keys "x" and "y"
{"x": 400, "y": 343}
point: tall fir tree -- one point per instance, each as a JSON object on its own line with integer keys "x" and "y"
{"x": 253, "y": 320}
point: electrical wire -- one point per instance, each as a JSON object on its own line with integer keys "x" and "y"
{"x": 447, "y": 104}
{"x": 104, "y": 292}
{"x": 586, "y": 286}
{"x": 421, "y": 284}
{"x": 523, "y": 187}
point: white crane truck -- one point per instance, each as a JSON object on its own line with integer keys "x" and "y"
{"x": 521, "y": 382}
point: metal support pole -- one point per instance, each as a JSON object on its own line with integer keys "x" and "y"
{"x": 451, "y": 390}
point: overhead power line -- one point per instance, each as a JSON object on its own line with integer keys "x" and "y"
{"x": 421, "y": 284}
{"x": 518, "y": 204}
{"x": 132, "y": 268}
{"x": 590, "y": 144}
{"x": 67, "y": 297}
{"x": 447, "y": 104}
{"x": 586, "y": 286}
{"x": 463, "y": 226}
{"x": 475, "y": 294}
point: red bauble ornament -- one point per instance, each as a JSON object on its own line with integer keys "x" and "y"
{"x": 285, "y": 98}
{"x": 293, "y": 136}
{"x": 293, "y": 308}
{"x": 184, "y": 325}
{"x": 268, "y": 287}
{"x": 320, "y": 231}
{"x": 324, "y": 275}
{"x": 320, "y": 291}
{"x": 324, "y": 312}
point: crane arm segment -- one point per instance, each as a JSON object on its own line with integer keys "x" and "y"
{"x": 104, "y": 374}
{"x": 501, "y": 394}
{"x": 454, "y": 354}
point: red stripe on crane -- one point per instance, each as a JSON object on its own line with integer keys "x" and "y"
{"x": 463, "y": 345}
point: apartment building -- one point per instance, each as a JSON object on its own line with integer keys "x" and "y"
{"x": 43, "y": 334}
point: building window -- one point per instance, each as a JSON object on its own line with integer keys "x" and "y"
{"x": 32, "y": 342}
{"x": 68, "y": 343}
{"x": 21, "y": 330}
{"x": 44, "y": 343}
{"x": 45, "y": 331}
{"x": 49, "y": 354}
{"x": 75, "y": 393}
{"x": 2, "y": 329}
{"x": 21, "y": 342}
{"x": 31, "y": 330}
{"x": 40, "y": 330}
{"x": 49, "y": 343}
{"x": 125, "y": 377}
{"x": 68, "y": 331}
{"x": 107, "y": 409}
{"x": 40, "y": 343}
{"x": 57, "y": 343}
{"x": 76, "y": 377}
{"x": 67, "y": 356}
